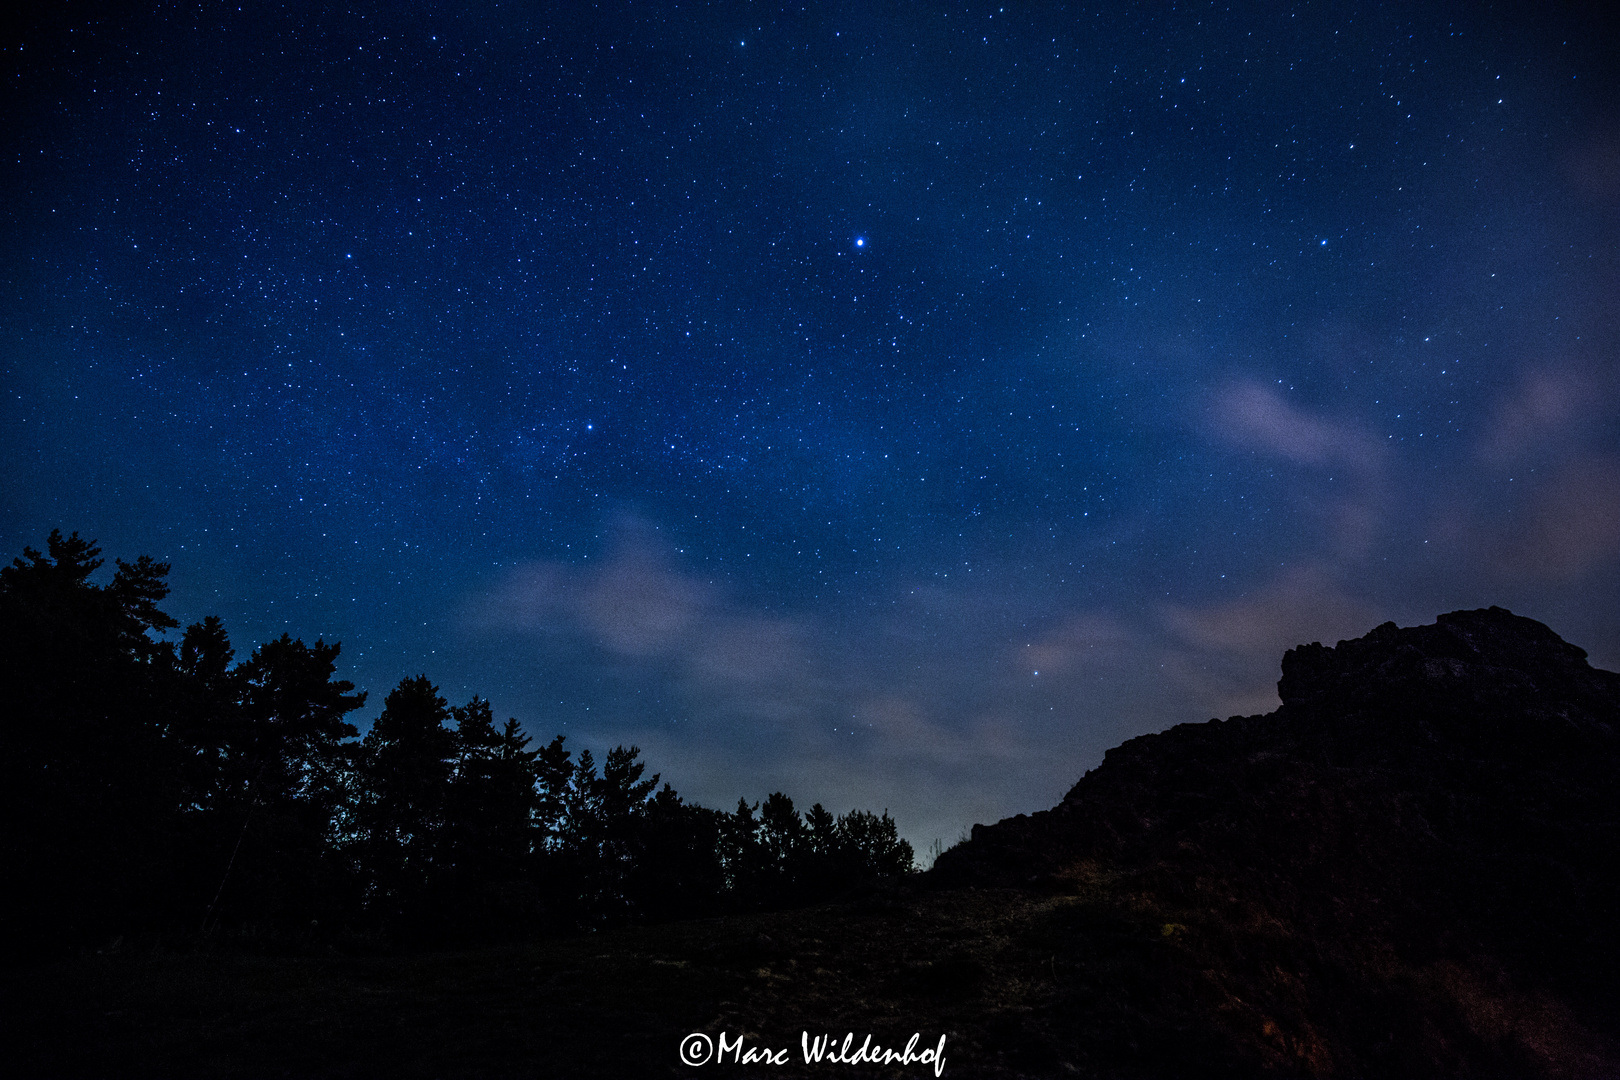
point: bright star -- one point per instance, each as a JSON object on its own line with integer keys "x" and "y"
{"x": 860, "y": 241}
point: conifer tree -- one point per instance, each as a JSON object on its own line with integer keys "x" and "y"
{"x": 406, "y": 763}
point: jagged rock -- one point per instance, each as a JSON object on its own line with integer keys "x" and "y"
{"x": 1428, "y": 827}
{"x": 1485, "y": 704}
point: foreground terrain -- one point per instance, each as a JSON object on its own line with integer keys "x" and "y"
{"x": 1412, "y": 868}
{"x": 1020, "y": 983}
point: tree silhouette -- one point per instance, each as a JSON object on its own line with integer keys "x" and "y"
{"x": 161, "y": 787}
{"x": 780, "y": 858}
{"x": 678, "y": 872}
{"x": 406, "y": 763}
{"x": 277, "y": 725}
{"x": 91, "y": 785}
{"x": 870, "y": 846}
{"x": 494, "y": 840}
{"x": 604, "y": 832}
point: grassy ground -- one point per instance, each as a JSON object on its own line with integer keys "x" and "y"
{"x": 961, "y": 964}
{"x": 1093, "y": 981}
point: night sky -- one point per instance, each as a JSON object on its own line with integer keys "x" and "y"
{"x": 893, "y": 407}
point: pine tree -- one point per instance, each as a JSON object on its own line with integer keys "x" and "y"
{"x": 406, "y": 764}
{"x": 91, "y": 784}
{"x": 280, "y": 794}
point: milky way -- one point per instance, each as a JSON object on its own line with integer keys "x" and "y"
{"x": 894, "y": 409}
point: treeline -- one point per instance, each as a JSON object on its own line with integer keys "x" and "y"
{"x": 151, "y": 786}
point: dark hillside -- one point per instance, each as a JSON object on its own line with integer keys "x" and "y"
{"x": 1412, "y": 866}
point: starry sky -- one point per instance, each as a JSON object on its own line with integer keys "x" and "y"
{"x": 895, "y": 405}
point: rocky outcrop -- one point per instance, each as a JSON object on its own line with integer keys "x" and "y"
{"x": 1431, "y": 806}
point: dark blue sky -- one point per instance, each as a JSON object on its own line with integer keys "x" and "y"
{"x": 896, "y": 407}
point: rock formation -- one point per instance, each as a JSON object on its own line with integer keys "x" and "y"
{"x": 1413, "y": 864}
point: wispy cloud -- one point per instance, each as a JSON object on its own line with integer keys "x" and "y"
{"x": 943, "y": 705}
{"x": 1203, "y": 660}
{"x": 1548, "y": 408}
{"x": 1300, "y": 604}
{"x": 1254, "y": 416}
{"x": 637, "y": 606}
{"x": 814, "y": 704}
{"x": 1575, "y": 521}
{"x": 1228, "y": 653}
